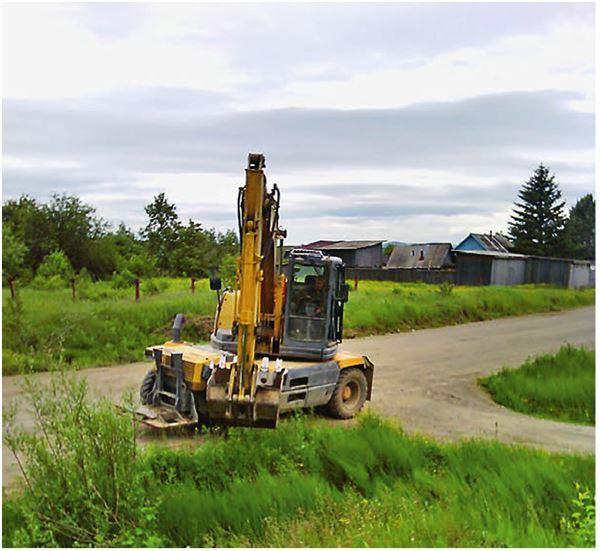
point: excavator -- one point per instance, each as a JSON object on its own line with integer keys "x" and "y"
{"x": 274, "y": 346}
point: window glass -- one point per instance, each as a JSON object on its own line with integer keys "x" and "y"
{"x": 308, "y": 303}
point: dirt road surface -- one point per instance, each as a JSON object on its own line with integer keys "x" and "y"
{"x": 426, "y": 379}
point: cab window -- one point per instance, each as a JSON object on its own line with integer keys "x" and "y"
{"x": 308, "y": 302}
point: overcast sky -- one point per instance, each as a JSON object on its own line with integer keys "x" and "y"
{"x": 390, "y": 121}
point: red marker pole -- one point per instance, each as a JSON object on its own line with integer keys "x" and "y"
{"x": 137, "y": 290}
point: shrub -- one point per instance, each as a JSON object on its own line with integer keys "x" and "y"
{"x": 122, "y": 280}
{"x": 54, "y": 272}
{"x": 227, "y": 270}
{"x": 154, "y": 286}
{"x": 446, "y": 289}
{"x": 581, "y": 525}
{"x": 79, "y": 465}
{"x": 304, "y": 484}
{"x": 139, "y": 266}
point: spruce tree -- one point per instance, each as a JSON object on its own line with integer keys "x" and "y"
{"x": 537, "y": 222}
{"x": 580, "y": 229}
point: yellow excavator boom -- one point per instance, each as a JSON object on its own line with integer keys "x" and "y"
{"x": 250, "y": 275}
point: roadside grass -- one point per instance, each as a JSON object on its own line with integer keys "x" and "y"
{"x": 305, "y": 484}
{"x": 45, "y": 329}
{"x": 557, "y": 386}
{"x": 383, "y": 306}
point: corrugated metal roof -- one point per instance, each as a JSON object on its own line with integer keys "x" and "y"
{"x": 489, "y": 242}
{"x": 318, "y": 244}
{"x": 497, "y": 254}
{"x": 341, "y": 245}
{"x": 435, "y": 255}
{"x": 494, "y": 254}
{"x": 505, "y": 241}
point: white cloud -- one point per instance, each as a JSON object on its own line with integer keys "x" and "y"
{"x": 558, "y": 60}
{"x": 48, "y": 53}
{"x": 154, "y": 94}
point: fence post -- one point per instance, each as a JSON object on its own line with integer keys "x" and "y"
{"x": 11, "y": 284}
{"x": 73, "y": 288}
{"x": 193, "y": 285}
{"x": 137, "y": 290}
{"x": 356, "y": 281}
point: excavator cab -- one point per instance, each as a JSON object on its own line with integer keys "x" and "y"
{"x": 314, "y": 310}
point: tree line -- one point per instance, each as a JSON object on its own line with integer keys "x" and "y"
{"x": 48, "y": 243}
{"x": 539, "y": 226}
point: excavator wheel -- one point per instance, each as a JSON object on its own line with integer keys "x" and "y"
{"x": 349, "y": 395}
{"x": 147, "y": 386}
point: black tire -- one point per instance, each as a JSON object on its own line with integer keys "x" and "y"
{"x": 147, "y": 386}
{"x": 349, "y": 395}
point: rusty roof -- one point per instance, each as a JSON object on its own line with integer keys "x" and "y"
{"x": 490, "y": 242}
{"x": 435, "y": 256}
{"x": 341, "y": 245}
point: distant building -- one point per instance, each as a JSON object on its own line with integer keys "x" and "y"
{"x": 484, "y": 242}
{"x": 501, "y": 268}
{"x": 430, "y": 256}
{"x": 356, "y": 254}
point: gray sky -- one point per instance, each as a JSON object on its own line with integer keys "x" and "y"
{"x": 382, "y": 121}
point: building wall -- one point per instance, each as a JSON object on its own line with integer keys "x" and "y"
{"x": 580, "y": 276}
{"x": 470, "y": 244}
{"x": 507, "y": 271}
{"x": 401, "y": 275}
{"x": 348, "y": 256}
{"x": 548, "y": 270}
{"x": 370, "y": 257}
{"x": 473, "y": 270}
{"x": 367, "y": 257}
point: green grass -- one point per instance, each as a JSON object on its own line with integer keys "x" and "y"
{"x": 106, "y": 326}
{"x": 382, "y": 306}
{"x": 556, "y": 386}
{"x": 305, "y": 484}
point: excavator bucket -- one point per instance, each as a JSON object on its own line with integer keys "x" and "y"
{"x": 260, "y": 408}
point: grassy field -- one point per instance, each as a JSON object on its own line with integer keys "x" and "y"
{"x": 557, "y": 386}
{"x": 105, "y": 325}
{"x": 305, "y": 484}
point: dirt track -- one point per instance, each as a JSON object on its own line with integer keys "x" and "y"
{"x": 427, "y": 379}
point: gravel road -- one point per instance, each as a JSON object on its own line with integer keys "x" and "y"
{"x": 426, "y": 379}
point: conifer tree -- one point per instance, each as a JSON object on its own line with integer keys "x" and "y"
{"x": 580, "y": 229}
{"x": 537, "y": 222}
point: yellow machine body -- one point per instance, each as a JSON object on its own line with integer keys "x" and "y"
{"x": 264, "y": 357}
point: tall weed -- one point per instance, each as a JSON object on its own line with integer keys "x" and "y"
{"x": 79, "y": 464}
{"x": 559, "y": 386}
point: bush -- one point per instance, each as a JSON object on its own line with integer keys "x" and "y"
{"x": 54, "y": 272}
{"x": 446, "y": 289}
{"x": 227, "y": 270}
{"x": 581, "y": 525}
{"x": 304, "y": 484}
{"x": 154, "y": 286}
{"x": 79, "y": 465}
{"x": 138, "y": 266}
{"x": 123, "y": 280}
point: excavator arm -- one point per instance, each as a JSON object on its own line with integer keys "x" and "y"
{"x": 243, "y": 391}
{"x": 250, "y": 273}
